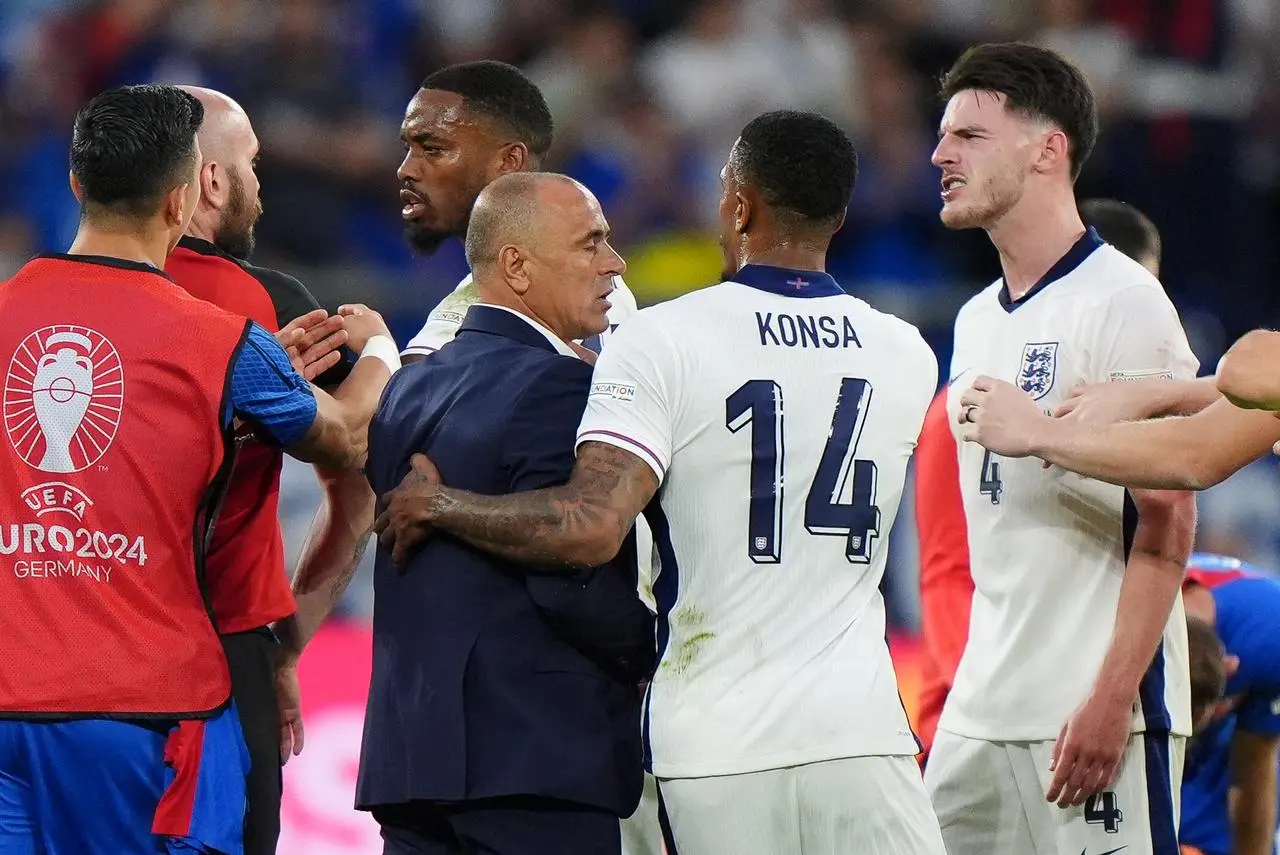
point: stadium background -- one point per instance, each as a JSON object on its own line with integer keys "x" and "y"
{"x": 647, "y": 97}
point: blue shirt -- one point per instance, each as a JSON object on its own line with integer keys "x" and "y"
{"x": 1248, "y": 622}
{"x": 267, "y": 391}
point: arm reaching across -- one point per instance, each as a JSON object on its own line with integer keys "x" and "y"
{"x": 338, "y": 436}
{"x": 579, "y": 524}
{"x": 623, "y": 451}
{"x": 1183, "y": 453}
{"x": 1104, "y": 403}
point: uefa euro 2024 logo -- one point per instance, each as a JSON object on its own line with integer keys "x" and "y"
{"x": 63, "y": 395}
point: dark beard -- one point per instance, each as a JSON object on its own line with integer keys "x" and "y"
{"x": 234, "y": 235}
{"x": 424, "y": 241}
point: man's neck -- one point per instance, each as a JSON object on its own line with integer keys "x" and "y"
{"x": 507, "y": 299}
{"x": 201, "y": 228}
{"x": 791, "y": 254}
{"x": 144, "y": 249}
{"x": 1033, "y": 236}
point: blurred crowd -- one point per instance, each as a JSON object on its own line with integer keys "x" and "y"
{"x": 647, "y": 96}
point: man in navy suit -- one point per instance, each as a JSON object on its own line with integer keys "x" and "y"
{"x": 503, "y": 715}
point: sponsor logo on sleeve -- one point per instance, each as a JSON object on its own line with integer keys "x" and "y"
{"x": 624, "y": 392}
{"x": 1149, "y": 374}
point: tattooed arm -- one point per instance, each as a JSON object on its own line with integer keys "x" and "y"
{"x": 330, "y": 555}
{"x": 578, "y": 524}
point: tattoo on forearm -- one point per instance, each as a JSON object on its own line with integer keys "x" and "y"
{"x": 608, "y": 488}
{"x": 338, "y": 586}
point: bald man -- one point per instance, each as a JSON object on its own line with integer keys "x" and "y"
{"x": 249, "y": 588}
{"x": 503, "y": 715}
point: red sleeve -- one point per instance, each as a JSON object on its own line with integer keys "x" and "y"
{"x": 946, "y": 586}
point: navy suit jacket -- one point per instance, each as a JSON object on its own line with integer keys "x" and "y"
{"x": 489, "y": 681}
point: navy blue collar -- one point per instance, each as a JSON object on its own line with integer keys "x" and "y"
{"x": 487, "y": 319}
{"x": 788, "y": 282}
{"x": 1075, "y": 256}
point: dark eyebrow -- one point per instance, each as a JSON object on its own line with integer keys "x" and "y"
{"x": 595, "y": 235}
{"x": 967, "y": 130}
{"x": 421, "y": 137}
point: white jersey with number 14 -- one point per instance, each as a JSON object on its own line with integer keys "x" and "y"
{"x": 779, "y": 414}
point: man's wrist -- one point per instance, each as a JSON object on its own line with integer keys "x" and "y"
{"x": 381, "y": 347}
{"x": 1115, "y": 689}
{"x": 436, "y": 508}
{"x": 1047, "y": 436}
{"x": 1180, "y": 397}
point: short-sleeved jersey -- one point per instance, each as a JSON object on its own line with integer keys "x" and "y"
{"x": 443, "y": 322}
{"x": 1047, "y": 547}
{"x": 1247, "y": 619}
{"x": 778, "y": 413}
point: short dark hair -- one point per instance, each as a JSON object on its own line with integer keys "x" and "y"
{"x": 1207, "y": 669}
{"x": 503, "y": 93}
{"x": 1036, "y": 82}
{"x": 801, "y": 164}
{"x": 133, "y": 144}
{"x": 1123, "y": 226}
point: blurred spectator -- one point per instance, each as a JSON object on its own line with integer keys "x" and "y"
{"x": 648, "y": 95}
{"x": 891, "y": 235}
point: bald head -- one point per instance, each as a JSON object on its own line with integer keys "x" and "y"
{"x": 511, "y": 209}
{"x": 229, "y": 204}
{"x": 226, "y": 129}
{"x": 538, "y": 244}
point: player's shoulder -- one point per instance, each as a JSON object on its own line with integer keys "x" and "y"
{"x": 290, "y": 297}
{"x": 986, "y": 300}
{"x": 453, "y": 308}
{"x": 1108, "y": 271}
{"x": 896, "y": 324}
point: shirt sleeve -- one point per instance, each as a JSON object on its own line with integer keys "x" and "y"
{"x": 1142, "y": 338}
{"x": 630, "y": 405}
{"x": 268, "y": 392}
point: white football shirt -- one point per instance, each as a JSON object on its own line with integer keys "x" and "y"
{"x": 778, "y": 413}
{"x": 443, "y": 322}
{"x": 1048, "y": 547}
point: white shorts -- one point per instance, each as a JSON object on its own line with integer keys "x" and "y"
{"x": 641, "y": 832}
{"x": 871, "y": 805}
{"x": 990, "y": 799}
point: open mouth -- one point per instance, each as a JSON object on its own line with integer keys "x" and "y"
{"x": 412, "y": 205}
{"x": 951, "y": 186}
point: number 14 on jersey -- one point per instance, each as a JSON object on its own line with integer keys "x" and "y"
{"x": 759, "y": 403}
